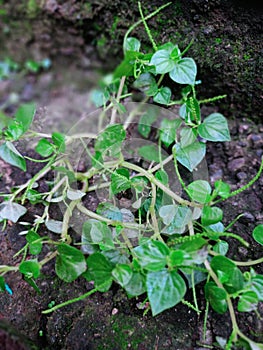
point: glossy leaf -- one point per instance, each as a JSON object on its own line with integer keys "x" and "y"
{"x": 136, "y": 285}
{"x": 167, "y": 213}
{"x": 120, "y": 180}
{"x": 25, "y": 114}
{"x": 199, "y": 191}
{"x": 35, "y": 245}
{"x": 109, "y": 211}
{"x": 100, "y": 270}
{"x": 162, "y": 61}
{"x": 44, "y": 148}
{"x": 222, "y": 188}
{"x": 188, "y": 136}
{"x": 258, "y": 234}
{"x": 95, "y": 232}
{"x": 150, "y": 152}
{"x": 132, "y": 44}
{"x": 152, "y": 255}
{"x": 163, "y": 96}
{"x": 99, "y": 97}
{"x": 184, "y": 71}
{"x": 165, "y": 289}
{"x": 146, "y": 121}
{"x": 11, "y": 211}
{"x": 10, "y": 154}
{"x": 256, "y": 285}
{"x": 109, "y": 141}
{"x": 70, "y": 263}
{"x": 168, "y": 130}
{"x": 247, "y": 302}
{"x": 146, "y": 82}
{"x": 228, "y": 273}
{"x": 59, "y": 141}
{"x": 221, "y": 247}
{"x": 74, "y": 195}
{"x": 216, "y": 297}
{"x": 214, "y": 128}
{"x": 211, "y": 215}
{"x": 122, "y": 274}
{"x": 191, "y": 155}
{"x": 54, "y": 225}
{"x": 30, "y": 268}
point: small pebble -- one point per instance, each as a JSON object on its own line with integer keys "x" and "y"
{"x": 236, "y": 164}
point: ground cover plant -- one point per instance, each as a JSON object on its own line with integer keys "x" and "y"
{"x": 170, "y": 237}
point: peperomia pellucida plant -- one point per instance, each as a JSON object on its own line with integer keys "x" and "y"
{"x": 155, "y": 232}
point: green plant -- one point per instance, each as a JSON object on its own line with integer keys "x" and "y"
{"x": 165, "y": 243}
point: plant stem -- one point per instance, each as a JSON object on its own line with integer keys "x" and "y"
{"x": 147, "y": 29}
{"x": 71, "y": 301}
{"x": 114, "y": 110}
{"x": 159, "y": 184}
{"x": 136, "y": 24}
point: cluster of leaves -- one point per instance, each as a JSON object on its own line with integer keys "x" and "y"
{"x": 166, "y": 244}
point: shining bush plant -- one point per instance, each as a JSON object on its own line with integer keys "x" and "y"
{"x": 165, "y": 241}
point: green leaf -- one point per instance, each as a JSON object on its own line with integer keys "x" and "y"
{"x": 70, "y": 263}
{"x": 34, "y": 196}
{"x": 132, "y": 44}
{"x": 95, "y": 232}
{"x": 59, "y": 141}
{"x": 221, "y": 247}
{"x": 199, "y": 191}
{"x": 216, "y": 297}
{"x": 191, "y": 155}
{"x": 146, "y": 83}
{"x": 165, "y": 289}
{"x": 54, "y": 225}
{"x": 192, "y": 111}
{"x": 162, "y": 176}
{"x": 247, "y": 302}
{"x": 109, "y": 141}
{"x": 214, "y": 128}
{"x": 184, "y": 71}
{"x": 44, "y": 148}
{"x": 14, "y": 130}
{"x": 30, "y": 268}
{"x": 163, "y": 96}
{"x": 256, "y": 285}
{"x": 162, "y": 61}
{"x": 188, "y": 137}
{"x": 126, "y": 67}
{"x": 122, "y": 274}
{"x": 100, "y": 270}
{"x": 228, "y": 273}
{"x": 11, "y": 211}
{"x": 258, "y": 234}
{"x": 211, "y": 215}
{"x": 176, "y": 257}
{"x": 181, "y": 218}
{"x": 136, "y": 285}
{"x": 152, "y": 255}
{"x": 10, "y": 154}
{"x": 222, "y": 188}
{"x": 109, "y": 211}
{"x": 34, "y": 247}
{"x": 255, "y": 346}
{"x": 99, "y": 97}
{"x": 146, "y": 121}
{"x": 120, "y": 180}
{"x": 25, "y": 114}
{"x": 167, "y": 213}
{"x": 2, "y": 284}
{"x": 150, "y": 152}
{"x": 168, "y": 130}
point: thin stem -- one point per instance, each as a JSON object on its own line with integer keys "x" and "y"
{"x": 159, "y": 184}
{"x": 114, "y": 110}
{"x": 136, "y": 24}
{"x": 71, "y": 301}
{"x": 147, "y": 29}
